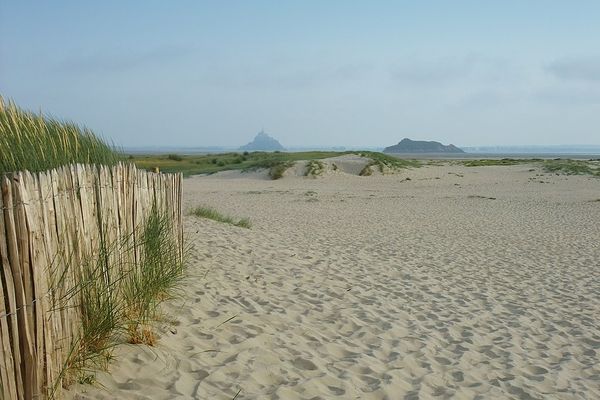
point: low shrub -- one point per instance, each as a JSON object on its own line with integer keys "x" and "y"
{"x": 174, "y": 157}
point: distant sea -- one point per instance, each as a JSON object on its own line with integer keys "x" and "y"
{"x": 580, "y": 152}
{"x": 546, "y": 152}
{"x": 463, "y": 156}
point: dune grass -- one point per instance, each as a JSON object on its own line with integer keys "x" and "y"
{"x": 314, "y": 168}
{"x": 119, "y": 296}
{"x": 36, "y": 142}
{"x": 382, "y": 161}
{"x": 385, "y": 162}
{"x": 212, "y": 163}
{"x": 367, "y": 170}
{"x": 102, "y": 313}
{"x": 211, "y": 213}
{"x": 558, "y": 166}
{"x": 153, "y": 278}
{"x": 572, "y": 167}
{"x": 277, "y": 170}
{"x": 276, "y": 162}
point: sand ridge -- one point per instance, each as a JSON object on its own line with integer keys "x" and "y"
{"x": 458, "y": 283}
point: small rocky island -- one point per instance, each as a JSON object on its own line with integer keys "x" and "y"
{"x": 421, "y": 146}
{"x": 263, "y": 142}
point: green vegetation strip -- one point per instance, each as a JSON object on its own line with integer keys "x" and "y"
{"x": 558, "y": 166}
{"x": 36, "y": 142}
{"x": 500, "y": 162}
{"x": 211, "y": 213}
{"x": 276, "y": 162}
{"x": 573, "y": 167}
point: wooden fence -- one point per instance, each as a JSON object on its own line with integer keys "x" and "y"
{"x": 49, "y": 223}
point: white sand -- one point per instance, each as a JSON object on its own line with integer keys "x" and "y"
{"x": 382, "y": 288}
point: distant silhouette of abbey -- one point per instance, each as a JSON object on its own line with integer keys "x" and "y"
{"x": 263, "y": 142}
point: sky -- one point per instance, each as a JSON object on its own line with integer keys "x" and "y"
{"x": 310, "y": 73}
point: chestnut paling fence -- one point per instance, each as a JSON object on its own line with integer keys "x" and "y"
{"x": 50, "y": 222}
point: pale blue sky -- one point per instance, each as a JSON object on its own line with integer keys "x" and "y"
{"x": 353, "y": 73}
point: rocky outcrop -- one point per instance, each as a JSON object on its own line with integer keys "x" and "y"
{"x": 421, "y": 146}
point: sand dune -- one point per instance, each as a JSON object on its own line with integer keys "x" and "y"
{"x": 458, "y": 283}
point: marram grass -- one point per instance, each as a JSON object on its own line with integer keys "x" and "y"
{"x": 119, "y": 297}
{"x": 36, "y": 142}
{"x": 211, "y": 213}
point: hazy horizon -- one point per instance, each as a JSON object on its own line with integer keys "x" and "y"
{"x": 200, "y": 74}
{"x": 561, "y": 149}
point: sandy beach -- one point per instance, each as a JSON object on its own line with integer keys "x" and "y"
{"x": 433, "y": 283}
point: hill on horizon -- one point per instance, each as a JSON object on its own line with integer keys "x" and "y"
{"x": 263, "y": 142}
{"x": 421, "y": 146}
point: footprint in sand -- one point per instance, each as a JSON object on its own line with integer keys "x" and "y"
{"x": 304, "y": 364}
{"x": 336, "y": 390}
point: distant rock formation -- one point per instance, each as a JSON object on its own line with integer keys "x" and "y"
{"x": 421, "y": 146}
{"x": 263, "y": 142}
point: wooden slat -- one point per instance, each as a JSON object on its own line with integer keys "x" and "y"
{"x": 53, "y": 355}
{"x": 65, "y": 304}
{"x": 71, "y": 220}
{"x": 24, "y": 329}
{"x": 29, "y": 188}
{"x": 57, "y": 274}
{"x": 11, "y": 371}
{"x": 7, "y": 379}
{"x": 32, "y": 386}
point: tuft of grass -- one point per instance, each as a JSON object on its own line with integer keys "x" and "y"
{"x": 244, "y": 223}
{"x": 277, "y": 171}
{"x": 314, "y": 168}
{"x": 477, "y": 196}
{"x": 211, "y": 213}
{"x": 157, "y": 271}
{"x": 366, "y": 171}
{"x": 36, "y": 142}
{"x": 119, "y": 295}
{"x": 102, "y": 315}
